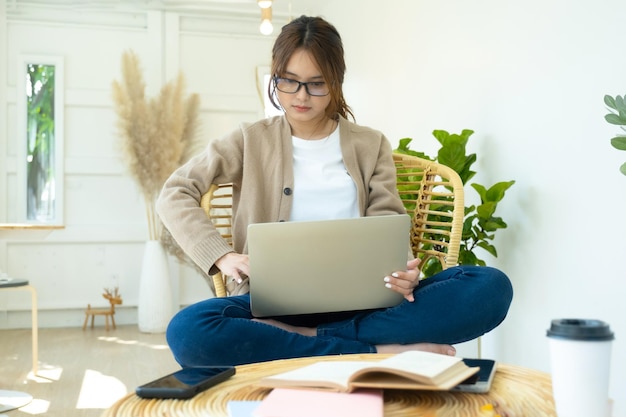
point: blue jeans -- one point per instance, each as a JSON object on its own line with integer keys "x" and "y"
{"x": 454, "y": 306}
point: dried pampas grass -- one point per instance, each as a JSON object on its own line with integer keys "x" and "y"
{"x": 158, "y": 134}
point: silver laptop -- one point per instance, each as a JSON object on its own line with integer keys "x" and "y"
{"x": 327, "y": 265}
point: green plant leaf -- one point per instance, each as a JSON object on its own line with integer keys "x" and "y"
{"x": 615, "y": 119}
{"x": 403, "y": 144}
{"x": 619, "y": 104}
{"x": 486, "y": 210}
{"x": 452, "y": 155}
{"x": 619, "y": 142}
{"x": 609, "y": 101}
{"x": 446, "y": 139}
{"x": 432, "y": 267}
{"x": 468, "y": 224}
{"x": 481, "y": 190}
{"x": 623, "y": 169}
{"x": 441, "y": 136}
{"x": 501, "y": 224}
{"x": 493, "y": 224}
{"x": 467, "y": 257}
{"x": 466, "y": 133}
{"x": 469, "y": 209}
{"x": 489, "y": 248}
{"x": 466, "y": 173}
{"x": 496, "y": 192}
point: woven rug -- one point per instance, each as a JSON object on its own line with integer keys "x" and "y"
{"x": 516, "y": 391}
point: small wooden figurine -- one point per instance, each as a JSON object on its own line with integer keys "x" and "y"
{"x": 114, "y": 298}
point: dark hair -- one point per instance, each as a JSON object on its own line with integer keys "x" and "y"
{"x": 323, "y": 42}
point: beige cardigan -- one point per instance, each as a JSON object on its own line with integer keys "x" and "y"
{"x": 257, "y": 159}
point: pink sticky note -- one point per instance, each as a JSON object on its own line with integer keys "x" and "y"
{"x": 283, "y": 402}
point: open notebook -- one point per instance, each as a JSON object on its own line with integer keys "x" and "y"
{"x": 326, "y": 265}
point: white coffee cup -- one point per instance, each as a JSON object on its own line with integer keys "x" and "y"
{"x": 580, "y": 359}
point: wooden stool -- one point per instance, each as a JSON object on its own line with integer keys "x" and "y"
{"x": 114, "y": 299}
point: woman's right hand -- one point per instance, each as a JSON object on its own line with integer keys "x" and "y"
{"x": 235, "y": 265}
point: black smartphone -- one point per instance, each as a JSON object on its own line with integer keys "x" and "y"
{"x": 480, "y": 382}
{"x": 185, "y": 383}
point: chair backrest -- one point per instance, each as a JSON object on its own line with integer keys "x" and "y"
{"x": 433, "y": 196}
{"x": 218, "y": 206}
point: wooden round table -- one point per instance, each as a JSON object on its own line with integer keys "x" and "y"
{"x": 516, "y": 391}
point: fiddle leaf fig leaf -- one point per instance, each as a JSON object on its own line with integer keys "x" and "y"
{"x": 494, "y": 224}
{"x": 441, "y": 136}
{"x": 482, "y": 192}
{"x": 403, "y": 144}
{"x": 486, "y": 210}
{"x": 489, "y": 248}
{"x": 496, "y": 192}
{"x": 452, "y": 156}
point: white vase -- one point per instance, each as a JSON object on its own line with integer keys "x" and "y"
{"x": 155, "y": 307}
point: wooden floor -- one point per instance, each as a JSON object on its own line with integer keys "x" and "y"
{"x": 81, "y": 373}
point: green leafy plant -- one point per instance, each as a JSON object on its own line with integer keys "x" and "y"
{"x": 617, "y": 116}
{"x": 480, "y": 222}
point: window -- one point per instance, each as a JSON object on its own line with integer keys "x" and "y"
{"x": 40, "y": 140}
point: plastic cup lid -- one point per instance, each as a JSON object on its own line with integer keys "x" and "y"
{"x": 580, "y": 329}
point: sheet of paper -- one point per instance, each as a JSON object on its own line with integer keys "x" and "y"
{"x": 423, "y": 363}
{"x": 336, "y": 372}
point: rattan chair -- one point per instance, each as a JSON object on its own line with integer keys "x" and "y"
{"x": 432, "y": 193}
{"x": 217, "y": 204}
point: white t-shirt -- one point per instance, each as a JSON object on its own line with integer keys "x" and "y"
{"x": 323, "y": 189}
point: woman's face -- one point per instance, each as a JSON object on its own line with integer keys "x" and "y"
{"x": 300, "y": 106}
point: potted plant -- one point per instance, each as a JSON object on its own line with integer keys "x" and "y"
{"x": 617, "y": 116}
{"x": 480, "y": 223}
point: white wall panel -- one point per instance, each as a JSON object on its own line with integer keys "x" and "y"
{"x": 216, "y": 65}
{"x": 74, "y": 274}
{"x": 91, "y": 132}
{"x": 11, "y": 144}
{"x": 104, "y": 200}
{"x": 90, "y": 62}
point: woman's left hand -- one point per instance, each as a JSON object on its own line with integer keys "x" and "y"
{"x": 405, "y": 282}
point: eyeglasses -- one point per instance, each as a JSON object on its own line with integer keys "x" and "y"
{"x": 313, "y": 88}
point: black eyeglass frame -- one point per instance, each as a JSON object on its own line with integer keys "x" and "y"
{"x": 300, "y": 84}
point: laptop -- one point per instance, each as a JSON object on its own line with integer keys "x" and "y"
{"x": 325, "y": 266}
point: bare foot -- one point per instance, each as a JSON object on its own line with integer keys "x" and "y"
{"x": 426, "y": 347}
{"x": 305, "y": 331}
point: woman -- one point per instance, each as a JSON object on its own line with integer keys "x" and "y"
{"x": 293, "y": 167}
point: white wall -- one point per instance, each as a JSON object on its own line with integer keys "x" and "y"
{"x": 529, "y": 78}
